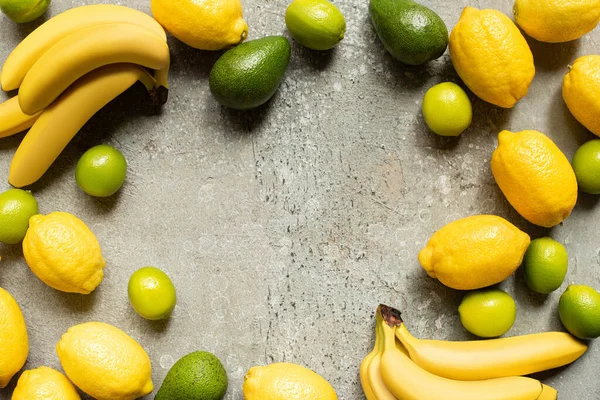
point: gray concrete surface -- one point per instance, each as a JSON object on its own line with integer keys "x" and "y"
{"x": 284, "y": 227}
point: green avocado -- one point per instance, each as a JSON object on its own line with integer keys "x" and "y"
{"x": 411, "y": 32}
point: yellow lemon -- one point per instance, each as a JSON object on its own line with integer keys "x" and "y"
{"x": 202, "y": 24}
{"x": 14, "y": 344}
{"x": 581, "y": 91}
{"x": 491, "y": 56}
{"x": 535, "y": 177}
{"x": 44, "y": 383}
{"x": 474, "y": 252}
{"x": 105, "y": 362}
{"x": 284, "y": 381}
{"x": 556, "y": 21}
{"x": 62, "y": 251}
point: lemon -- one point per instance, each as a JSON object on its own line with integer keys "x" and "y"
{"x": 491, "y": 56}
{"x": 447, "y": 109}
{"x": 556, "y": 21}
{"x": 586, "y": 164}
{"x": 105, "y": 362}
{"x": 487, "y": 313}
{"x": 204, "y": 25}
{"x": 44, "y": 383}
{"x": 316, "y": 24}
{"x": 23, "y": 11}
{"x": 16, "y": 207}
{"x": 285, "y": 381}
{"x": 62, "y": 251}
{"x": 535, "y": 177}
{"x": 579, "y": 311}
{"x": 581, "y": 91}
{"x": 545, "y": 265}
{"x": 474, "y": 252}
{"x": 14, "y": 343}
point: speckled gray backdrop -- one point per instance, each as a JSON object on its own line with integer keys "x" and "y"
{"x": 284, "y": 227}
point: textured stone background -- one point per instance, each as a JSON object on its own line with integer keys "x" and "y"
{"x": 284, "y": 227}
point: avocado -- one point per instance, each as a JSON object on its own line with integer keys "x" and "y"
{"x": 248, "y": 75}
{"x": 411, "y": 32}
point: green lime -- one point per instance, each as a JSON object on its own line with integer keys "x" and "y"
{"x": 579, "y": 311}
{"x": 545, "y": 265}
{"x": 22, "y": 11}
{"x": 16, "y": 207}
{"x": 199, "y": 375}
{"x": 447, "y": 109}
{"x": 488, "y": 312}
{"x": 586, "y": 164}
{"x": 101, "y": 171}
{"x": 151, "y": 293}
{"x": 316, "y": 24}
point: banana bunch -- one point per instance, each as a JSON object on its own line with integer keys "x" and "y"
{"x": 406, "y": 368}
{"x": 67, "y": 70}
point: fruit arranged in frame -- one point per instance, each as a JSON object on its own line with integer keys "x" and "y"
{"x": 545, "y": 265}
{"x": 12, "y": 119}
{"x": 487, "y": 313}
{"x": 151, "y": 293}
{"x": 248, "y": 75}
{"x": 14, "y": 342}
{"x": 204, "y": 25}
{"x": 16, "y": 207}
{"x": 535, "y": 177}
{"x": 105, "y": 362}
{"x": 491, "y": 56}
{"x": 316, "y": 24}
{"x": 285, "y": 381}
{"x": 64, "y": 253}
{"x": 447, "y": 109}
{"x": 198, "y": 376}
{"x": 60, "y": 122}
{"x": 23, "y": 11}
{"x": 44, "y": 383}
{"x": 579, "y": 311}
{"x": 556, "y": 21}
{"x": 407, "y": 381}
{"x": 26, "y": 54}
{"x": 580, "y": 89}
{"x": 409, "y": 31}
{"x": 101, "y": 171}
{"x": 474, "y": 252}
{"x": 586, "y": 165}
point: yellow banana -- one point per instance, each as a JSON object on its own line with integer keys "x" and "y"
{"x": 364, "y": 370}
{"x": 380, "y": 391}
{"x": 12, "y": 119}
{"x": 82, "y": 52}
{"x": 25, "y": 55}
{"x": 60, "y": 122}
{"x": 495, "y": 358}
{"x": 407, "y": 381}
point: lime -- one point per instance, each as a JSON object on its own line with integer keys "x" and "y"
{"x": 545, "y": 265}
{"x": 101, "y": 171}
{"x": 447, "y": 109}
{"x": 488, "y": 312}
{"x": 151, "y": 293}
{"x": 316, "y": 24}
{"x": 22, "y": 11}
{"x": 579, "y": 311}
{"x": 586, "y": 164}
{"x": 16, "y": 207}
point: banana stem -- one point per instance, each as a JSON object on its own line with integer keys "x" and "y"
{"x": 391, "y": 316}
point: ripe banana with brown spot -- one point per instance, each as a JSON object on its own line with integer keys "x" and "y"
{"x": 12, "y": 119}
{"x": 25, "y": 55}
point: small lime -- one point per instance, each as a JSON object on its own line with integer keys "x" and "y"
{"x": 22, "y": 11}
{"x": 447, "y": 109}
{"x": 586, "y": 164}
{"x": 151, "y": 293}
{"x": 488, "y": 312}
{"x": 579, "y": 311}
{"x": 101, "y": 171}
{"x": 316, "y": 24}
{"x": 545, "y": 265}
{"x": 16, "y": 207}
